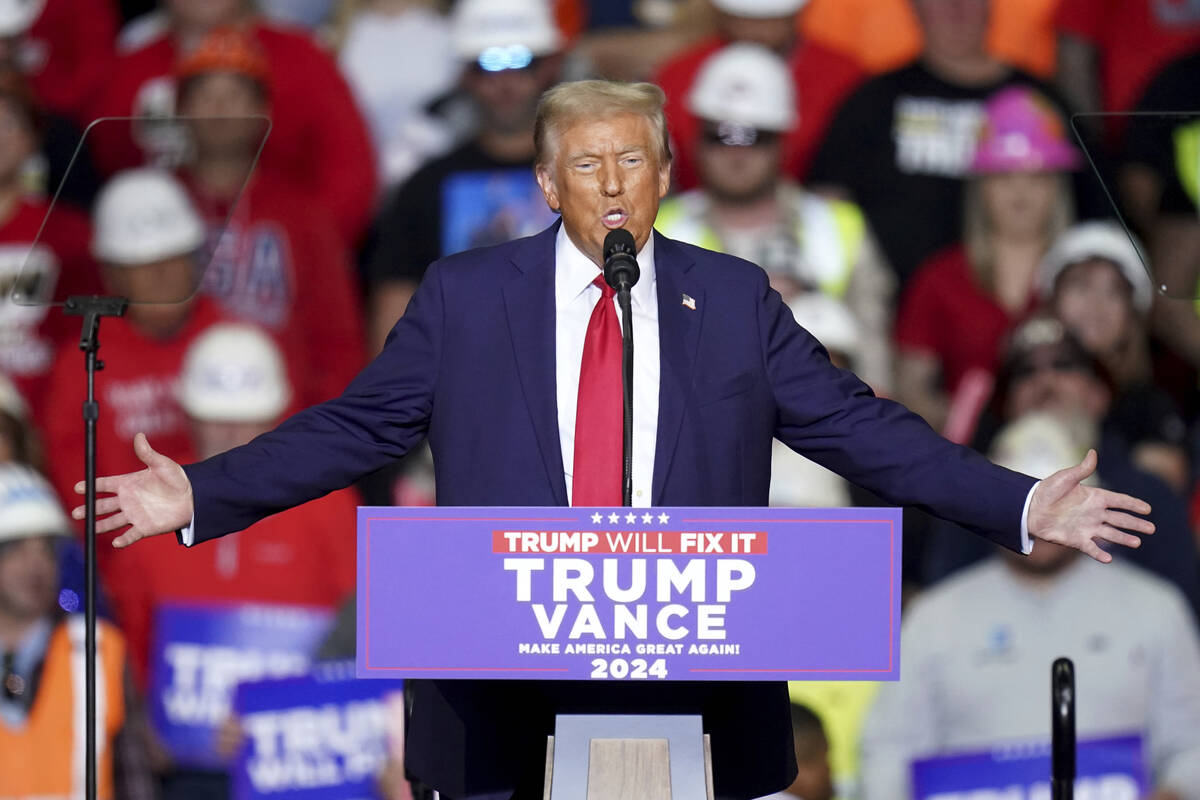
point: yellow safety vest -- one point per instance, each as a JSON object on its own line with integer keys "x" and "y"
{"x": 830, "y": 234}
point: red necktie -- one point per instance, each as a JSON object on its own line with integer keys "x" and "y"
{"x": 599, "y": 414}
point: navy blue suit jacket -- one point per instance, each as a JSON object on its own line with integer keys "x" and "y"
{"x": 471, "y": 365}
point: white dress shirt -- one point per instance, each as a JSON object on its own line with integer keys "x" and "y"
{"x": 575, "y": 296}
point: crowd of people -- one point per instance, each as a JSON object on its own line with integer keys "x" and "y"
{"x": 955, "y": 196}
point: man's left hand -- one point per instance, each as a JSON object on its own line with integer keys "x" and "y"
{"x": 1066, "y": 512}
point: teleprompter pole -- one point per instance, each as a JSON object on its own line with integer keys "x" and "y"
{"x": 92, "y": 308}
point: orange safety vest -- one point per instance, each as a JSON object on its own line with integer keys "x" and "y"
{"x": 45, "y": 758}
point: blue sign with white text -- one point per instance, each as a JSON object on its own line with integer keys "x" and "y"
{"x": 200, "y": 654}
{"x": 315, "y": 738}
{"x": 1106, "y": 769}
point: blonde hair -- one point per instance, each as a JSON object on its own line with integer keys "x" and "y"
{"x": 977, "y": 229}
{"x": 567, "y": 103}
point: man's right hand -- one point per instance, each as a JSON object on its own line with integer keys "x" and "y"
{"x": 155, "y": 500}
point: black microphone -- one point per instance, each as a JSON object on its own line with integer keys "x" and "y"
{"x": 621, "y": 269}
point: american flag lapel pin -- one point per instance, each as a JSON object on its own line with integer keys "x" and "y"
{"x": 689, "y": 301}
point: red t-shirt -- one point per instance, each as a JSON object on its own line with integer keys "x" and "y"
{"x": 823, "y": 78}
{"x": 59, "y": 265}
{"x": 944, "y": 312}
{"x": 283, "y": 266}
{"x": 318, "y": 139}
{"x": 136, "y": 391}
{"x": 302, "y": 556}
{"x": 68, "y": 52}
{"x": 1135, "y": 39}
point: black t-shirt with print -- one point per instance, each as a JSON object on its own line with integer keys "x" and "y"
{"x": 902, "y": 144}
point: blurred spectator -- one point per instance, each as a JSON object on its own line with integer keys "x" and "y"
{"x": 1110, "y": 49}
{"x": 63, "y": 47}
{"x": 1046, "y": 370}
{"x": 744, "y": 100}
{"x": 278, "y": 261}
{"x": 42, "y": 722}
{"x": 884, "y": 34}
{"x": 1094, "y": 281}
{"x": 318, "y": 139}
{"x": 398, "y": 57}
{"x": 796, "y": 480}
{"x": 233, "y": 386}
{"x": 1161, "y": 192}
{"x": 975, "y": 652}
{"x": 483, "y": 192}
{"x": 39, "y": 270}
{"x": 822, "y": 77}
{"x": 146, "y": 236}
{"x": 813, "y": 779}
{"x": 902, "y": 144}
{"x": 18, "y": 440}
{"x": 961, "y": 303}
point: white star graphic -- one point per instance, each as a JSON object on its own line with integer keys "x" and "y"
{"x": 596, "y": 518}
{"x": 647, "y": 518}
{"x": 631, "y": 518}
{"x": 613, "y": 518}
{"x": 664, "y": 519}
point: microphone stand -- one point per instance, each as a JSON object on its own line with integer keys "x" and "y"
{"x": 1062, "y": 722}
{"x": 92, "y": 308}
{"x": 623, "y": 299}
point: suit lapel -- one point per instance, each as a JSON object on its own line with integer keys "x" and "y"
{"x": 529, "y": 303}
{"x": 678, "y": 337}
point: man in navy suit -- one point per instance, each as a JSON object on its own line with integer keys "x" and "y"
{"x": 486, "y": 363}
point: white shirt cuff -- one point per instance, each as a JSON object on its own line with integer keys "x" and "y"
{"x": 1026, "y": 542}
{"x": 187, "y": 534}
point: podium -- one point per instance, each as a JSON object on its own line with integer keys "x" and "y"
{"x": 633, "y": 596}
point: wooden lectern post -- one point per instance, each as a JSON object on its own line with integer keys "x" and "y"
{"x": 628, "y": 757}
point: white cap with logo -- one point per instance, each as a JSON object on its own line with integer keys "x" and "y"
{"x": 144, "y": 215}
{"x": 745, "y": 84}
{"x": 480, "y": 26}
{"x": 28, "y": 506}
{"x": 234, "y": 372}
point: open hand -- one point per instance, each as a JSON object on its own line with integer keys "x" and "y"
{"x": 1066, "y": 512}
{"x": 154, "y": 500}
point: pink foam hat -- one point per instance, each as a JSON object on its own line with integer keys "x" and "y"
{"x": 1022, "y": 132}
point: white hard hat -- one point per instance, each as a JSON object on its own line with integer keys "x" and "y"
{"x": 18, "y": 16}
{"x": 745, "y": 84}
{"x": 1106, "y": 240}
{"x": 760, "y": 9}
{"x": 829, "y": 320}
{"x": 28, "y": 506}
{"x": 234, "y": 372}
{"x": 144, "y": 215}
{"x": 480, "y": 26}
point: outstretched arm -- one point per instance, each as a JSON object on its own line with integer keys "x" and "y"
{"x": 1064, "y": 511}
{"x": 157, "y": 499}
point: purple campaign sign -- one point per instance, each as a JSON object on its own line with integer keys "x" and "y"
{"x": 200, "y": 653}
{"x": 1106, "y": 769}
{"x": 624, "y": 594}
{"x": 316, "y": 737}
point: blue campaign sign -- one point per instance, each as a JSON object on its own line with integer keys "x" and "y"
{"x": 318, "y": 737}
{"x": 200, "y": 653}
{"x": 1107, "y": 769}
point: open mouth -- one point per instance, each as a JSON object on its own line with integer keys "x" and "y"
{"x": 615, "y": 218}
